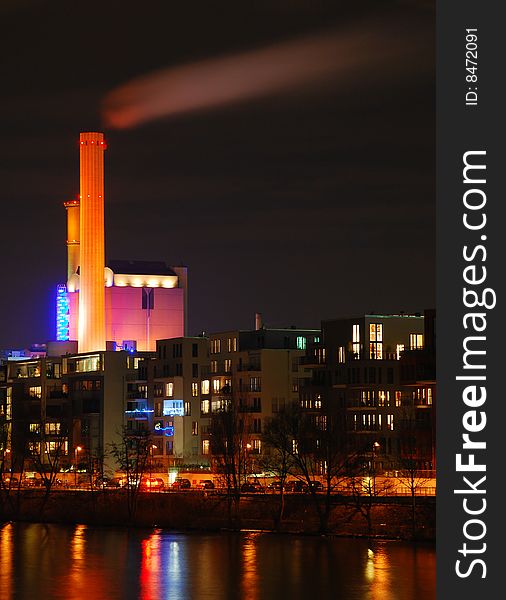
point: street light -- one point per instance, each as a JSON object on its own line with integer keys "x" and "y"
{"x": 77, "y": 450}
{"x": 7, "y": 452}
{"x": 375, "y": 447}
{"x": 248, "y": 460}
{"x": 153, "y": 446}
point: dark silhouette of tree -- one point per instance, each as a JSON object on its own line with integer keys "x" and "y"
{"x": 409, "y": 473}
{"x": 317, "y": 447}
{"x": 229, "y": 436}
{"x": 131, "y": 455}
{"x": 47, "y": 453}
{"x": 278, "y": 454}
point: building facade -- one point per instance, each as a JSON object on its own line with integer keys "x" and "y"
{"x": 360, "y": 376}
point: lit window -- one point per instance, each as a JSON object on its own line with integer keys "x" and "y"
{"x": 215, "y": 346}
{"x": 34, "y": 427}
{"x": 52, "y": 428}
{"x": 254, "y": 384}
{"x": 187, "y": 408}
{"x": 429, "y": 396}
{"x": 205, "y": 386}
{"x": 228, "y": 365}
{"x": 214, "y": 366}
{"x": 301, "y": 342}
{"x": 415, "y": 341}
{"x": 376, "y": 341}
{"x": 400, "y": 350}
{"x": 398, "y": 399}
{"x": 195, "y": 427}
{"x": 204, "y": 407}
{"x": 356, "y": 341}
{"x": 8, "y": 405}
{"x": 216, "y": 386}
{"x": 205, "y": 446}
{"x": 35, "y": 391}
{"x": 257, "y": 446}
{"x": 390, "y": 422}
{"x": 57, "y": 447}
{"x": 195, "y": 389}
{"x": 88, "y": 363}
{"x": 169, "y": 389}
{"x": 341, "y": 355}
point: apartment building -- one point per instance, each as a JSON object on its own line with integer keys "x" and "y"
{"x": 360, "y": 375}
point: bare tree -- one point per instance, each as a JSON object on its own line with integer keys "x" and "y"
{"x": 409, "y": 473}
{"x": 48, "y": 453}
{"x": 365, "y": 484}
{"x": 132, "y": 455}
{"x": 311, "y": 446}
{"x": 229, "y": 435}
{"x": 278, "y": 458}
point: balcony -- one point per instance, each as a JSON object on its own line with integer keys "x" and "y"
{"x": 250, "y": 409}
{"x": 249, "y": 367}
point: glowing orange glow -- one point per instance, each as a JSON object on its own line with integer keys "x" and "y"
{"x": 78, "y": 553}
{"x": 150, "y": 568}
{"x": 378, "y": 573}
{"x": 6, "y": 562}
{"x": 91, "y": 327}
{"x": 73, "y": 236}
{"x": 249, "y": 583}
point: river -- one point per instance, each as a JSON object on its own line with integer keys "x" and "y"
{"x": 80, "y": 562}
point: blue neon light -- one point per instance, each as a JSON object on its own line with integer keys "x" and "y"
{"x": 62, "y": 314}
{"x": 169, "y": 431}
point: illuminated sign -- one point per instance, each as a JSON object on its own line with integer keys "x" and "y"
{"x": 173, "y": 408}
{"x": 62, "y": 314}
{"x": 159, "y": 428}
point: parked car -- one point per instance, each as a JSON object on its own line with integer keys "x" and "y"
{"x": 114, "y": 483}
{"x": 181, "y": 484}
{"x": 295, "y": 486}
{"x": 9, "y": 481}
{"x": 316, "y": 485}
{"x": 206, "y": 484}
{"x": 108, "y": 482}
{"x": 151, "y": 483}
{"x": 275, "y": 486}
{"x": 252, "y": 487}
{"x": 33, "y": 482}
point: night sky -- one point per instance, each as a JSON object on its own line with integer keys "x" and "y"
{"x": 307, "y": 202}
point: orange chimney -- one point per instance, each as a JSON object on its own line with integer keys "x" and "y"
{"x": 91, "y": 329}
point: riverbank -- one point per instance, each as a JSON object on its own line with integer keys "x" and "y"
{"x": 384, "y": 517}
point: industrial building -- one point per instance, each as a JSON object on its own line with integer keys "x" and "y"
{"x": 127, "y": 304}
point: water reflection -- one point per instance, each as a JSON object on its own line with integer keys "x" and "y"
{"x": 81, "y": 562}
{"x": 249, "y": 582}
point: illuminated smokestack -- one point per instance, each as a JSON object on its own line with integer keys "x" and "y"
{"x": 72, "y": 207}
{"x": 91, "y": 329}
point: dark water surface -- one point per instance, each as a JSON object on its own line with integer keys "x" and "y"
{"x": 45, "y": 562}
